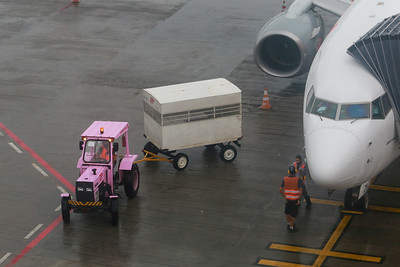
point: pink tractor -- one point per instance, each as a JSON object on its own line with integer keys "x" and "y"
{"x": 102, "y": 171}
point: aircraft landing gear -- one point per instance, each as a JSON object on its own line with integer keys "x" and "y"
{"x": 352, "y": 200}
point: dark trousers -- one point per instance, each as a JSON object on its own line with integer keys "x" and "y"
{"x": 306, "y": 196}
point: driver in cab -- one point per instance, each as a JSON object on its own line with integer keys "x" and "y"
{"x": 104, "y": 152}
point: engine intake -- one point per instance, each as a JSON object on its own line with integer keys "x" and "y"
{"x": 287, "y": 44}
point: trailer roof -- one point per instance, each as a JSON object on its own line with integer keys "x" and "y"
{"x": 193, "y": 90}
{"x": 112, "y": 129}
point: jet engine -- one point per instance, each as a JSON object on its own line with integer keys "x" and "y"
{"x": 287, "y": 44}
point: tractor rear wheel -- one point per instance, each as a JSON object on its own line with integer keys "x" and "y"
{"x": 114, "y": 211}
{"x": 65, "y": 209}
{"x": 131, "y": 181}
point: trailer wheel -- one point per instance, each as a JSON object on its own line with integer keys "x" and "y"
{"x": 181, "y": 161}
{"x": 65, "y": 209}
{"x": 132, "y": 181}
{"x": 149, "y": 146}
{"x": 228, "y": 153}
{"x": 114, "y": 211}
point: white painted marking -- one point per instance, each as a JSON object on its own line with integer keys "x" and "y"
{"x": 5, "y": 257}
{"x": 33, "y": 231}
{"x": 62, "y": 190}
{"x": 1, "y": 134}
{"x": 58, "y": 208}
{"x": 39, "y": 169}
{"x": 15, "y": 147}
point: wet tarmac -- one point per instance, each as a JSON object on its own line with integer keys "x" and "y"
{"x": 62, "y": 66}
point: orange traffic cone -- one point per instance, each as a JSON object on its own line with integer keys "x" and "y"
{"x": 265, "y": 103}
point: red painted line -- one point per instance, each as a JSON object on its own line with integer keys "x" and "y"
{"x": 37, "y": 158}
{"x": 67, "y": 6}
{"x": 35, "y": 241}
{"x": 52, "y": 171}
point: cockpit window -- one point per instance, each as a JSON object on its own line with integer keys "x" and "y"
{"x": 324, "y": 109}
{"x": 354, "y": 111}
{"x": 310, "y": 100}
{"x": 386, "y": 104}
{"x": 377, "y": 110}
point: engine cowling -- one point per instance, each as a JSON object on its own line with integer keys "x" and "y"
{"x": 287, "y": 44}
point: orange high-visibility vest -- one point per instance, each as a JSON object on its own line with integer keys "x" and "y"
{"x": 300, "y": 169}
{"x": 104, "y": 154}
{"x": 292, "y": 190}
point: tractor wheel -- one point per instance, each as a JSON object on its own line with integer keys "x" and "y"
{"x": 131, "y": 181}
{"x": 114, "y": 211}
{"x": 65, "y": 209}
{"x": 149, "y": 146}
{"x": 180, "y": 162}
{"x": 228, "y": 153}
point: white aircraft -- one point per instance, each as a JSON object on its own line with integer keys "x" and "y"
{"x": 350, "y": 128}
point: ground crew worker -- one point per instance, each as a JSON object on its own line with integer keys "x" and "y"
{"x": 301, "y": 172}
{"x": 291, "y": 189}
{"x": 104, "y": 155}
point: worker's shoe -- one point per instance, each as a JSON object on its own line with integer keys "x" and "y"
{"x": 308, "y": 206}
{"x": 292, "y": 230}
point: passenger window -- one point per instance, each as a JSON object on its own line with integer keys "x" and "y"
{"x": 324, "y": 109}
{"x": 310, "y": 100}
{"x": 354, "y": 111}
{"x": 377, "y": 111}
{"x": 386, "y": 104}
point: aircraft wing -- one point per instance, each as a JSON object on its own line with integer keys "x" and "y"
{"x": 336, "y": 7}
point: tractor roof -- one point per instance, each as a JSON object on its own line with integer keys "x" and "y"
{"x": 112, "y": 129}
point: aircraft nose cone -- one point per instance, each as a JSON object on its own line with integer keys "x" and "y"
{"x": 334, "y": 157}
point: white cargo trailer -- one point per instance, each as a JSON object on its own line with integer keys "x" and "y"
{"x": 202, "y": 113}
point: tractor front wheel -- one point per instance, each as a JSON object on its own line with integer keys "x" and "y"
{"x": 65, "y": 209}
{"x": 114, "y": 211}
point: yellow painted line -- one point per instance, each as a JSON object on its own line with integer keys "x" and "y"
{"x": 335, "y": 236}
{"x": 352, "y": 212}
{"x": 327, "y": 202}
{"x": 343, "y": 255}
{"x": 385, "y": 188}
{"x": 280, "y": 263}
{"x": 340, "y": 203}
{"x": 386, "y": 209}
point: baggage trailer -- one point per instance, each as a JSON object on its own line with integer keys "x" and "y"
{"x": 203, "y": 113}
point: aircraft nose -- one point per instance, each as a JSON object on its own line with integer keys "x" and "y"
{"x": 334, "y": 158}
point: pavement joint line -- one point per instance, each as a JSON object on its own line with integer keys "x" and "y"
{"x": 62, "y": 190}
{"x": 5, "y": 257}
{"x": 322, "y": 253}
{"x": 40, "y": 169}
{"x": 58, "y": 208}
{"x": 19, "y": 151}
{"x": 33, "y": 231}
